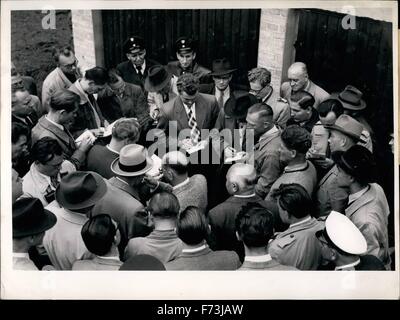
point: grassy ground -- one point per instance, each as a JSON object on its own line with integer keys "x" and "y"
{"x": 31, "y": 45}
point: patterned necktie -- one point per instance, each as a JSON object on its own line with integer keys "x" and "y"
{"x": 54, "y": 182}
{"x": 195, "y": 132}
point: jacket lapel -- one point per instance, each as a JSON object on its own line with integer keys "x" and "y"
{"x": 180, "y": 114}
{"x": 61, "y": 134}
{"x": 362, "y": 201}
{"x": 201, "y": 109}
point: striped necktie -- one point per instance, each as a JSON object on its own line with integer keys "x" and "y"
{"x": 195, "y": 132}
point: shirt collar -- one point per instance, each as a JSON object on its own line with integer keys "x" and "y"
{"x": 299, "y": 167}
{"x": 300, "y": 222}
{"x": 142, "y": 69}
{"x": 202, "y": 247}
{"x": 265, "y": 135}
{"x": 224, "y": 93}
{"x": 347, "y": 266}
{"x": 245, "y": 196}
{"x": 181, "y": 184}
{"x": 37, "y": 175}
{"x": 21, "y": 255}
{"x": 112, "y": 150}
{"x": 74, "y": 217}
{"x": 119, "y": 179}
{"x": 54, "y": 123}
{"x": 187, "y": 109}
{"x": 108, "y": 258}
{"x": 263, "y": 258}
{"x": 353, "y": 197}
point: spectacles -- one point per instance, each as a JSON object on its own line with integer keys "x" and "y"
{"x": 72, "y": 65}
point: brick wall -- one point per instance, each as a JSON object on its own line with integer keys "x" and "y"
{"x": 272, "y": 43}
{"x": 84, "y": 41}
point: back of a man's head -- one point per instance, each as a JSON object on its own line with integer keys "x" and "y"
{"x": 294, "y": 199}
{"x": 164, "y": 205}
{"x": 98, "y": 75}
{"x": 255, "y": 225}
{"x": 192, "y": 226}
{"x": 64, "y": 99}
{"x": 242, "y": 174}
{"x": 187, "y": 83}
{"x": 260, "y": 74}
{"x": 98, "y": 234}
{"x": 18, "y": 130}
{"x": 126, "y": 129}
{"x": 263, "y": 111}
{"x": 303, "y": 98}
{"x": 64, "y": 51}
{"x": 296, "y": 138}
{"x": 45, "y": 149}
{"x": 177, "y": 161}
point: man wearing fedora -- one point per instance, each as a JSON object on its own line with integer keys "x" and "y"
{"x": 136, "y": 68}
{"x": 121, "y": 99}
{"x": 344, "y": 245}
{"x": 159, "y": 88}
{"x": 190, "y": 110}
{"x": 344, "y": 134}
{"x": 299, "y": 80}
{"x": 185, "y": 49}
{"x": 76, "y": 195}
{"x": 222, "y": 76}
{"x": 30, "y": 222}
{"x": 367, "y": 208}
{"x": 123, "y": 199}
{"x": 354, "y": 106}
{"x": 99, "y": 158}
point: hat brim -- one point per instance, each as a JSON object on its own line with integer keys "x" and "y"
{"x": 97, "y": 195}
{"x": 221, "y": 73}
{"x": 340, "y": 129}
{"x": 118, "y": 171}
{"x": 349, "y": 106}
{"x": 148, "y": 86}
{"x": 48, "y": 221}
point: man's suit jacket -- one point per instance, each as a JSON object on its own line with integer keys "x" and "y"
{"x": 318, "y": 93}
{"x": 206, "y": 113}
{"x": 130, "y": 75}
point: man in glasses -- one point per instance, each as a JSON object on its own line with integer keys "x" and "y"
{"x": 136, "y": 68}
{"x": 46, "y": 170}
{"x": 62, "y": 77}
{"x": 344, "y": 246}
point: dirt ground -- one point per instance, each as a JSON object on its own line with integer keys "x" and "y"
{"x": 31, "y": 45}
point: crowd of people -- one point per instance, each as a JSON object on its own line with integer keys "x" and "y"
{"x": 146, "y": 166}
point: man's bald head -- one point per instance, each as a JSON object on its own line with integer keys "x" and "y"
{"x": 174, "y": 164}
{"x": 298, "y": 76}
{"x": 240, "y": 178}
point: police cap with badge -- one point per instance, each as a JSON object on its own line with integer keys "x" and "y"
{"x": 133, "y": 44}
{"x": 185, "y": 45}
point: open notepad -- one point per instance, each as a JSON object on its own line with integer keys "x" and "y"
{"x": 86, "y": 133}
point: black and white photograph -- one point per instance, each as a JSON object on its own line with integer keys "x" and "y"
{"x": 199, "y": 150}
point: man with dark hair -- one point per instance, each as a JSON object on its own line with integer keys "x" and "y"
{"x": 241, "y": 181}
{"x": 299, "y": 80}
{"x": 185, "y": 49}
{"x": 24, "y": 109}
{"x": 99, "y": 158}
{"x": 260, "y": 87}
{"x": 16, "y": 185}
{"x": 30, "y": 221}
{"x": 368, "y": 208}
{"x": 190, "y": 110}
{"x": 254, "y": 228}
{"x": 136, "y": 68}
{"x": 66, "y": 73}
{"x": 46, "y": 171}
{"x": 62, "y": 111}
{"x": 297, "y": 246}
{"x": 163, "y": 242}
{"x": 292, "y": 152}
{"x": 345, "y": 246}
{"x": 302, "y": 110}
{"x": 192, "y": 229}
{"x": 267, "y": 138}
{"x": 26, "y": 81}
{"x": 88, "y": 115}
{"x": 189, "y": 190}
{"x": 19, "y": 148}
{"x": 101, "y": 236}
{"x": 121, "y": 99}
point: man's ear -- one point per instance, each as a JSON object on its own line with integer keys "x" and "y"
{"x": 127, "y": 55}
{"x": 235, "y": 187}
{"x": 332, "y": 255}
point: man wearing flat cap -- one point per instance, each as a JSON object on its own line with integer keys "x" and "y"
{"x": 135, "y": 70}
{"x": 345, "y": 246}
{"x": 185, "y": 49}
{"x": 30, "y": 222}
{"x": 344, "y": 134}
{"x": 76, "y": 195}
{"x": 367, "y": 208}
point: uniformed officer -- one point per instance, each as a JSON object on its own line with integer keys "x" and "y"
{"x": 297, "y": 246}
{"x": 185, "y": 49}
{"x": 135, "y": 69}
{"x": 345, "y": 246}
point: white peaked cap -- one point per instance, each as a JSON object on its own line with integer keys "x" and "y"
{"x": 344, "y": 234}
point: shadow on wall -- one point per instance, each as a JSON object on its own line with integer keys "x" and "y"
{"x": 31, "y": 44}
